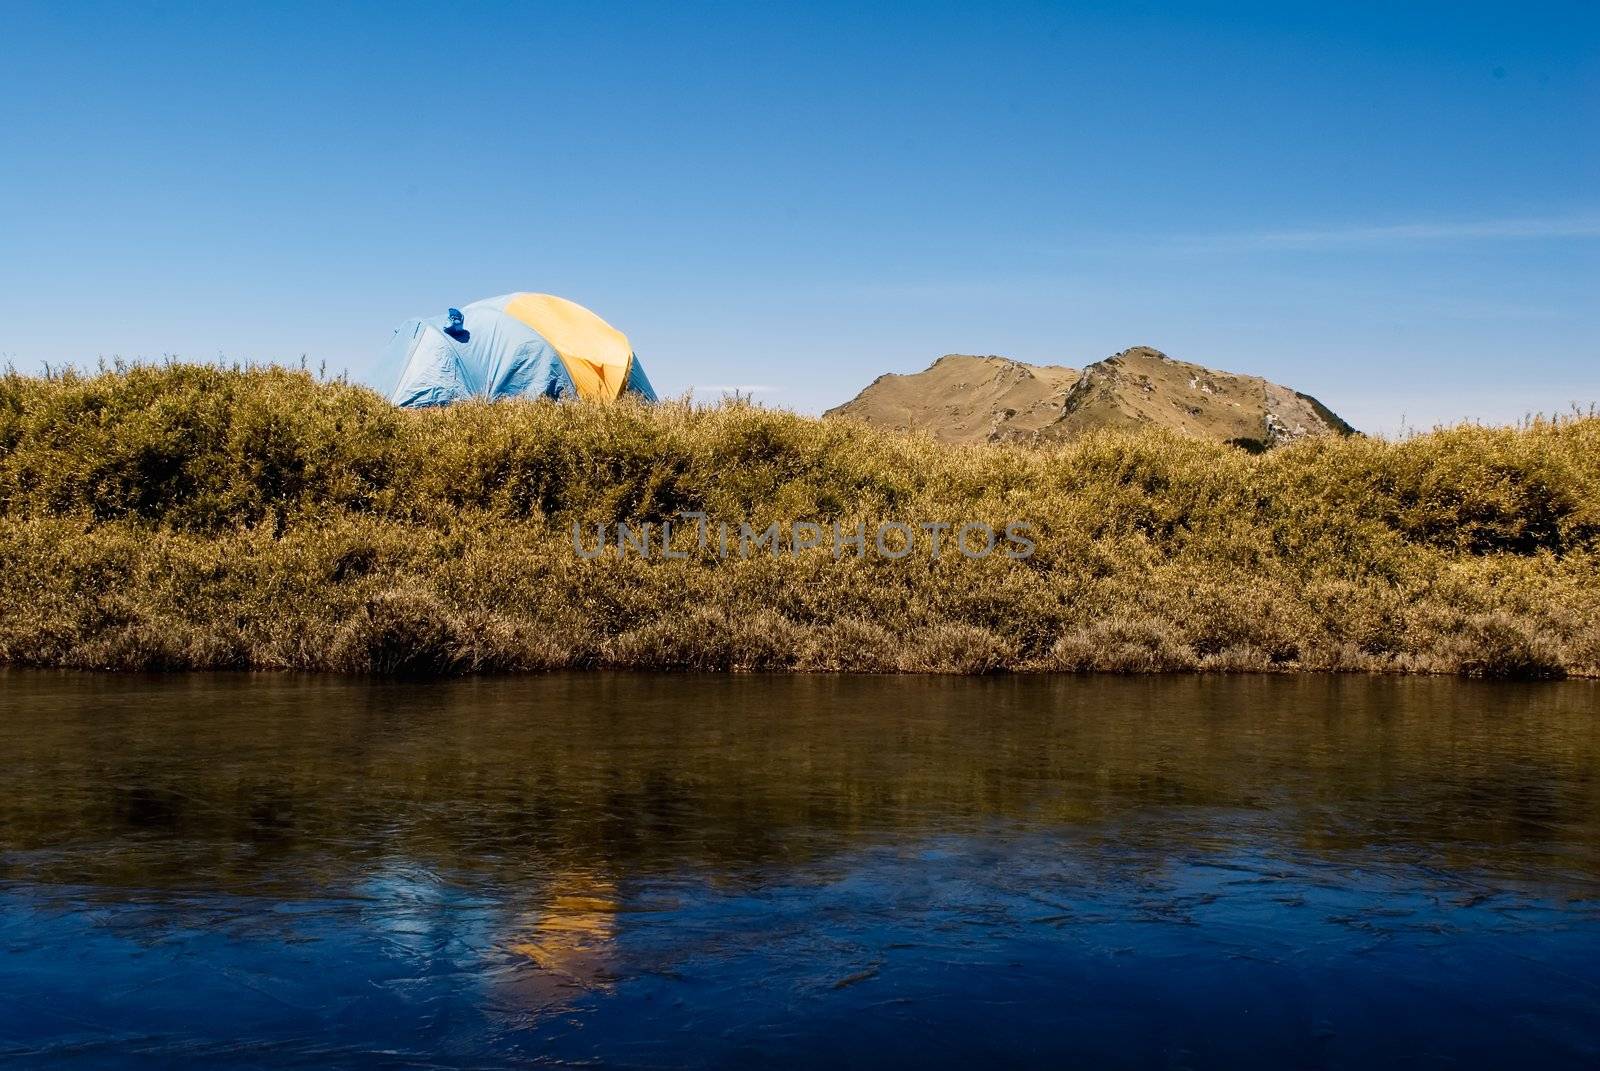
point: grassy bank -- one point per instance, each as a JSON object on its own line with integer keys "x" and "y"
{"x": 187, "y": 517}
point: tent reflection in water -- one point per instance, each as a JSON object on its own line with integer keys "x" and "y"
{"x": 514, "y": 346}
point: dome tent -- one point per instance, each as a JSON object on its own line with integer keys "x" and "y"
{"x": 515, "y": 346}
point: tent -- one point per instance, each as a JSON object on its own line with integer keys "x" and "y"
{"x": 515, "y": 346}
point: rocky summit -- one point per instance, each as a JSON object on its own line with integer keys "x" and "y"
{"x": 969, "y": 399}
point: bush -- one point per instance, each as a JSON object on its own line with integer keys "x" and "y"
{"x": 179, "y": 516}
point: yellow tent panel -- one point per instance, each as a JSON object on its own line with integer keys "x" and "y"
{"x": 596, "y": 354}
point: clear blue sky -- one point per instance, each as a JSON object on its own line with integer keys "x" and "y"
{"x": 1395, "y": 207}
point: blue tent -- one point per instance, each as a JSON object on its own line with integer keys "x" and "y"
{"x": 515, "y": 346}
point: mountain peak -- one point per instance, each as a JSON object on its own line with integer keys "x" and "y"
{"x": 962, "y": 398}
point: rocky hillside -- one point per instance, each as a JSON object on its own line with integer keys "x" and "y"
{"x": 964, "y": 399}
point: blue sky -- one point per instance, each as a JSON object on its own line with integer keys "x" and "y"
{"x": 1395, "y": 207}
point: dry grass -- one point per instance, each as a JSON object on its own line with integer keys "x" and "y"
{"x": 185, "y": 516}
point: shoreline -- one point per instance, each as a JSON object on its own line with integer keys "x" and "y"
{"x": 1561, "y": 677}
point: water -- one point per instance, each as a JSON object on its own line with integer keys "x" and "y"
{"x": 267, "y": 871}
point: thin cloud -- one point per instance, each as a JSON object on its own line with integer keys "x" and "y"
{"x": 1580, "y": 227}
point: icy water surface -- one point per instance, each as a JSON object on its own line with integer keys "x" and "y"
{"x": 265, "y": 871}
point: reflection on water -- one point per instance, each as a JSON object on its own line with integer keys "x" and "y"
{"x": 658, "y": 871}
{"x": 571, "y": 936}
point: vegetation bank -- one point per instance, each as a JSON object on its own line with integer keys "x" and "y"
{"x": 181, "y": 516}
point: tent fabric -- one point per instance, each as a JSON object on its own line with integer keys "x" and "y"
{"x": 514, "y": 346}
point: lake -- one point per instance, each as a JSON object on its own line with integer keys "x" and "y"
{"x": 652, "y": 871}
